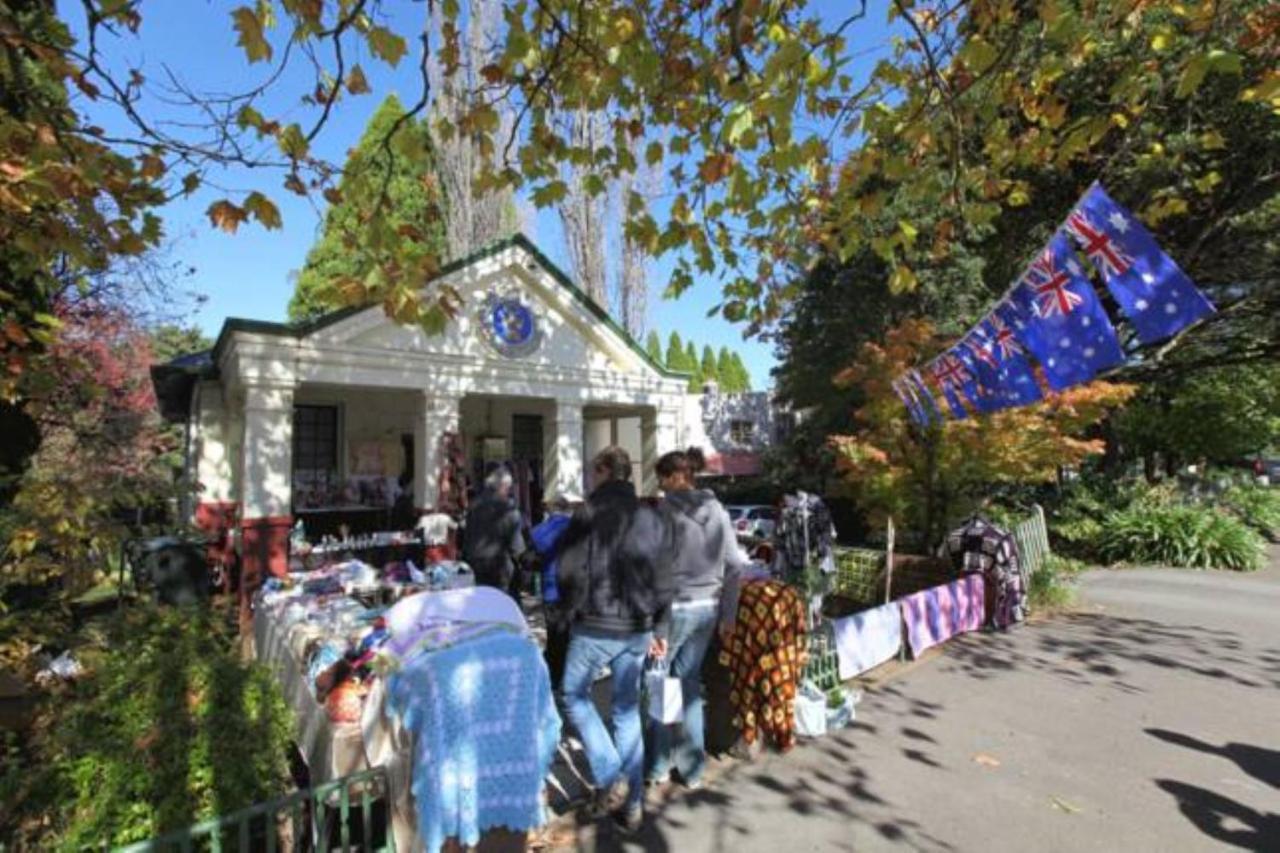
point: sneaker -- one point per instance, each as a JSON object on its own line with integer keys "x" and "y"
{"x": 657, "y": 779}
{"x": 629, "y": 819}
{"x": 606, "y": 800}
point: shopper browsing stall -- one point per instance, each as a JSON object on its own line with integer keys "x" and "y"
{"x": 492, "y": 541}
{"x": 706, "y": 569}
{"x": 615, "y": 580}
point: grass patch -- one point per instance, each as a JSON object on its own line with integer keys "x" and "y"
{"x": 1053, "y": 588}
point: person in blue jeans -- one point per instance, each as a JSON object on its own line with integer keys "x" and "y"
{"x": 615, "y": 583}
{"x": 707, "y": 565}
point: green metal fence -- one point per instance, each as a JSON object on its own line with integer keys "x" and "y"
{"x": 1032, "y": 536}
{"x": 349, "y": 814}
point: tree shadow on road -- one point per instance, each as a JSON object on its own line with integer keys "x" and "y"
{"x": 1088, "y": 649}
{"x": 1224, "y": 819}
{"x": 1260, "y": 763}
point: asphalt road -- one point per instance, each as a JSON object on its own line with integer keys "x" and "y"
{"x": 1148, "y": 720}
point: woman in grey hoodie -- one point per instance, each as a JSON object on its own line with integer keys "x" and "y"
{"x": 707, "y": 564}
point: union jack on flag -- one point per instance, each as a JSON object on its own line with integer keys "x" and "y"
{"x": 950, "y": 371}
{"x": 1004, "y": 341}
{"x": 1050, "y": 280}
{"x": 981, "y": 349}
{"x": 1102, "y": 249}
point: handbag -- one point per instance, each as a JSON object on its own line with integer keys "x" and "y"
{"x": 666, "y": 697}
{"x": 811, "y": 711}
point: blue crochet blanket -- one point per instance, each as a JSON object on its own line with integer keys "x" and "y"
{"x": 485, "y": 731}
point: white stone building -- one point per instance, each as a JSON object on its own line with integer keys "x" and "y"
{"x": 734, "y": 430}
{"x": 336, "y": 416}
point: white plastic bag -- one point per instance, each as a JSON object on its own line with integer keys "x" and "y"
{"x": 811, "y": 711}
{"x": 666, "y": 698}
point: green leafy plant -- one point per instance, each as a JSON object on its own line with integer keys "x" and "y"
{"x": 1256, "y": 506}
{"x": 166, "y": 728}
{"x": 1053, "y": 586}
{"x": 1182, "y": 535}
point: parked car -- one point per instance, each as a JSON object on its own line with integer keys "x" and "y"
{"x": 756, "y": 522}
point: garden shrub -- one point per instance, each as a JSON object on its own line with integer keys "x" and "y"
{"x": 1053, "y": 586}
{"x": 167, "y": 728}
{"x": 1257, "y": 506}
{"x": 1176, "y": 534}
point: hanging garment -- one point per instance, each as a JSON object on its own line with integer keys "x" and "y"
{"x": 867, "y": 639}
{"x": 765, "y": 656}
{"x": 980, "y": 546}
{"x": 805, "y": 530}
{"x": 485, "y": 730}
{"x": 937, "y": 614}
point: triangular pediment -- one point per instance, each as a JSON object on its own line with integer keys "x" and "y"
{"x": 517, "y": 309}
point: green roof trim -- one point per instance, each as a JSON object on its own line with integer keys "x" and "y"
{"x": 517, "y": 240}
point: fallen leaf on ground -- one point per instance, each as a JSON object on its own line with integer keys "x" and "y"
{"x": 986, "y": 760}
{"x": 1065, "y": 806}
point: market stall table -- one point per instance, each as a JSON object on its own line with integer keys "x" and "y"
{"x": 421, "y": 627}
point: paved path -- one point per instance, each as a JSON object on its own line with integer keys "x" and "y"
{"x": 1149, "y": 720}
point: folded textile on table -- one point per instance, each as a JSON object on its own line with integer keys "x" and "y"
{"x": 403, "y": 647}
{"x": 867, "y": 639}
{"x": 473, "y": 604}
{"x": 485, "y": 730}
{"x": 941, "y": 612}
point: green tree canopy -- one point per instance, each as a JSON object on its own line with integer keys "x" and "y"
{"x": 342, "y": 263}
{"x": 676, "y": 354}
{"x": 168, "y": 341}
{"x": 695, "y": 367}
{"x": 708, "y": 367}
{"x": 653, "y": 346}
{"x": 1221, "y": 414}
{"x": 724, "y": 370}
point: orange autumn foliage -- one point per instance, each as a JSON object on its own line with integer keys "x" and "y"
{"x": 926, "y": 478}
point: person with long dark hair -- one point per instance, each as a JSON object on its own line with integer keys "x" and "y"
{"x": 706, "y": 569}
{"x": 615, "y": 582}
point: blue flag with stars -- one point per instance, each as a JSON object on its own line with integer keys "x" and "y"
{"x": 950, "y": 374}
{"x": 923, "y": 396}
{"x": 1059, "y": 318}
{"x": 982, "y": 391}
{"x": 1157, "y": 297}
{"x": 1014, "y": 380}
{"x": 908, "y": 398}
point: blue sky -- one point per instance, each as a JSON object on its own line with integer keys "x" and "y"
{"x": 248, "y": 274}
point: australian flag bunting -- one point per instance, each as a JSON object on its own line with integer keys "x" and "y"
{"x": 908, "y": 398}
{"x": 951, "y": 375}
{"x": 1153, "y": 292}
{"x": 1058, "y": 317}
{"x": 924, "y": 398}
{"x": 982, "y": 393}
{"x": 1015, "y": 382}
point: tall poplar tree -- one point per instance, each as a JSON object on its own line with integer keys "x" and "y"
{"x": 653, "y": 346}
{"x": 675, "y": 354}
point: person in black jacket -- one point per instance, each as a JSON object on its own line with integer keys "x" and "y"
{"x": 615, "y": 581}
{"x": 492, "y": 541}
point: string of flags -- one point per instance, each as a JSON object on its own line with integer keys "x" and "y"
{"x": 1052, "y": 317}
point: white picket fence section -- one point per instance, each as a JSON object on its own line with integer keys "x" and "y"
{"x": 1032, "y": 536}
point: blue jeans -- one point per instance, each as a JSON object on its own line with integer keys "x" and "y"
{"x": 622, "y": 755}
{"x": 692, "y": 628}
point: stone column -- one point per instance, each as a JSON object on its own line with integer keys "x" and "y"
{"x": 438, "y": 415}
{"x": 563, "y": 463}
{"x": 266, "y": 488}
{"x": 649, "y": 440}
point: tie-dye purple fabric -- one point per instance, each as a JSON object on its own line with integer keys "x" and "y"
{"x": 934, "y": 615}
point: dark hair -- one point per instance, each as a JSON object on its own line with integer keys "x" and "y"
{"x": 614, "y": 462}
{"x": 690, "y": 462}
